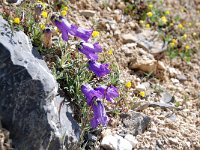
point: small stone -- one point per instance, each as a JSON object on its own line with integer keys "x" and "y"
{"x": 140, "y": 87}
{"x": 115, "y": 142}
{"x": 181, "y": 77}
{"x": 198, "y": 79}
{"x": 172, "y": 117}
{"x": 167, "y": 97}
{"x": 173, "y": 72}
{"x": 131, "y": 139}
{"x": 87, "y": 13}
{"x": 173, "y": 141}
{"x": 91, "y": 137}
{"x": 127, "y": 38}
{"x": 174, "y": 81}
{"x": 161, "y": 65}
{"x": 106, "y": 132}
{"x": 159, "y": 145}
{"x": 121, "y": 6}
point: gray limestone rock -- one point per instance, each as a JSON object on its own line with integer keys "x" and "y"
{"x": 135, "y": 123}
{"x": 28, "y": 103}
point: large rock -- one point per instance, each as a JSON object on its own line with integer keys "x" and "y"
{"x": 115, "y": 142}
{"x": 143, "y": 61}
{"x": 135, "y": 123}
{"x": 147, "y": 39}
{"x": 28, "y": 103}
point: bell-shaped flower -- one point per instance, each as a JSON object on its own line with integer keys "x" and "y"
{"x": 100, "y": 116}
{"x": 99, "y": 70}
{"x": 109, "y": 92}
{"x": 90, "y": 93}
{"x": 90, "y": 50}
{"x": 82, "y": 33}
{"x": 96, "y": 48}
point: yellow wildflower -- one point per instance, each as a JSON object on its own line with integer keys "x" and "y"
{"x": 63, "y": 13}
{"x": 42, "y": 26}
{"x": 65, "y": 8}
{"x": 167, "y": 12}
{"x": 164, "y": 19}
{"x": 142, "y": 94}
{"x": 185, "y": 36}
{"x": 174, "y": 41}
{"x": 150, "y": 6}
{"x": 16, "y": 20}
{"x": 149, "y": 14}
{"x": 44, "y": 14}
{"x": 95, "y": 34}
{"x": 180, "y": 26}
{"x": 189, "y": 24}
{"x": 171, "y": 24}
{"x": 110, "y": 52}
{"x": 128, "y": 84}
{"x": 194, "y": 34}
{"x": 187, "y": 47}
{"x": 172, "y": 45}
{"x": 147, "y": 25}
{"x": 56, "y": 29}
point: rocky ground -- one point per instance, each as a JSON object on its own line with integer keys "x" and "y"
{"x": 174, "y": 83}
{"x": 169, "y": 113}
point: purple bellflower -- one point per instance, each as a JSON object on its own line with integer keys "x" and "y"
{"x": 65, "y": 27}
{"x": 109, "y": 92}
{"x": 90, "y": 50}
{"x": 90, "y": 93}
{"x": 100, "y": 116}
{"x": 94, "y": 98}
{"x": 99, "y": 70}
{"x": 82, "y": 33}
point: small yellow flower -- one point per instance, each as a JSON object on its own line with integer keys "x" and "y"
{"x": 42, "y": 26}
{"x": 110, "y": 52}
{"x": 174, "y": 41}
{"x": 171, "y": 24}
{"x": 172, "y": 45}
{"x": 44, "y": 14}
{"x": 164, "y": 19}
{"x": 167, "y": 12}
{"x": 194, "y": 34}
{"x": 142, "y": 94}
{"x": 180, "y": 26}
{"x": 187, "y": 47}
{"x": 95, "y": 34}
{"x": 147, "y": 25}
{"x": 149, "y": 14}
{"x": 185, "y": 36}
{"x": 65, "y": 8}
{"x": 128, "y": 84}
{"x": 63, "y": 13}
{"x": 16, "y": 20}
{"x": 56, "y": 29}
{"x": 150, "y": 6}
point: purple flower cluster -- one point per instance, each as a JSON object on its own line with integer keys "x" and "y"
{"x": 89, "y": 50}
{"x": 94, "y": 96}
